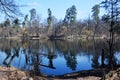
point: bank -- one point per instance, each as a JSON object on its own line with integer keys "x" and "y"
{"x": 11, "y": 73}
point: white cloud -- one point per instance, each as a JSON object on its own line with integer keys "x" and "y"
{"x": 33, "y": 4}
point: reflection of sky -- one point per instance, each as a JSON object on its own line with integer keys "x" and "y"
{"x": 117, "y": 56}
{"x": 2, "y": 57}
{"x": 17, "y": 62}
{"x": 83, "y": 63}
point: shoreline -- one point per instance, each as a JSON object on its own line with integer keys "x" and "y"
{"x": 11, "y": 73}
{"x": 54, "y": 38}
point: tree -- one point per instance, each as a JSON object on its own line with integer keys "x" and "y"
{"x": 70, "y": 17}
{"x": 16, "y": 23}
{"x": 105, "y": 24}
{"x": 95, "y": 15}
{"x": 112, "y": 8}
{"x": 9, "y": 8}
{"x": 96, "y": 11}
{"x": 106, "y": 18}
{"x": 50, "y": 22}
{"x": 25, "y": 22}
{"x": 37, "y": 25}
{"x": 67, "y": 17}
{"x": 7, "y": 23}
{"x": 32, "y": 14}
{"x": 49, "y": 19}
{"x": 73, "y": 15}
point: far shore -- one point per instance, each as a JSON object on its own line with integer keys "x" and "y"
{"x": 53, "y": 38}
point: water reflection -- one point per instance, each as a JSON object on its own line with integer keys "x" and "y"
{"x": 57, "y": 57}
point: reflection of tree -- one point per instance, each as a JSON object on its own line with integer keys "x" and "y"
{"x": 95, "y": 63}
{"x": 51, "y": 54}
{"x": 64, "y": 46}
{"x": 51, "y": 57}
{"x": 69, "y": 50}
{"x": 111, "y": 59}
{"x": 11, "y": 54}
{"x": 107, "y": 56}
{"x": 50, "y": 49}
{"x": 71, "y": 60}
{"x": 36, "y": 63}
{"x": 70, "y": 57}
{"x": 8, "y": 55}
{"x": 11, "y": 48}
{"x": 111, "y": 7}
{"x": 32, "y": 56}
{"x": 26, "y": 50}
{"x": 102, "y": 58}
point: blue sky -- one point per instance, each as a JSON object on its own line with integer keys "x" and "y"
{"x": 58, "y": 7}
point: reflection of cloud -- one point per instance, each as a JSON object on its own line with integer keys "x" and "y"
{"x": 32, "y": 4}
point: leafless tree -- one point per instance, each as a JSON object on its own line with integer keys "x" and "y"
{"x": 9, "y": 8}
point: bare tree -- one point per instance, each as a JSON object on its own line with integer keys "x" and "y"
{"x": 112, "y": 7}
{"x": 9, "y": 8}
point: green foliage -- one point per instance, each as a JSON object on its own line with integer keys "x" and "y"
{"x": 33, "y": 19}
{"x": 73, "y": 14}
{"x": 25, "y": 22}
{"x": 96, "y": 11}
{"x": 113, "y": 14}
{"x": 70, "y": 17}
{"x": 106, "y": 18}
{"x": 16, "y": 23}
{"x": 112, "y": 8}
{"x": 26, "y": 18}
{"x": 7, "y": 23}
{"x": 95, "y": 63}
{"x": 49, "y": 19}
{"x": 32, "y": 14}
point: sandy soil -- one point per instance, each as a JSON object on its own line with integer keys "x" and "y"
{"x": 15, "y": 74}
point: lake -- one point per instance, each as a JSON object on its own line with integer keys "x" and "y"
{"x": 57, "y": 57}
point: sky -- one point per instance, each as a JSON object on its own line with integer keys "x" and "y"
{"x": 58, "y": 7}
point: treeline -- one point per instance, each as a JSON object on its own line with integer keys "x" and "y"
{"x": 69, "y": 27}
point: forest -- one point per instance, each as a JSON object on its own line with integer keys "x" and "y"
{"x": 61, "y": 48}
{"x": 69, "y": 28}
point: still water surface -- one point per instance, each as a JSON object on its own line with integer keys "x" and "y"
{"x": 56, "y": 57}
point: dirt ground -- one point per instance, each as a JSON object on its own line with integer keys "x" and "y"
{"x": 14, "y": 74}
